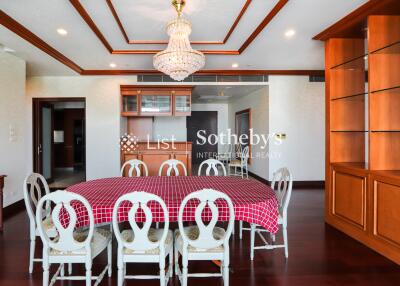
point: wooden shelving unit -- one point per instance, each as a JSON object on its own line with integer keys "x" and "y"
{"x": 363, "y": 132}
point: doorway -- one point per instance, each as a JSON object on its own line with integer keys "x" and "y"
{"x": 59, "y": 140}
{"x": 207, "y": 121}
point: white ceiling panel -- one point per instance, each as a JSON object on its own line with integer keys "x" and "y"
{"x": 145, "y": 20}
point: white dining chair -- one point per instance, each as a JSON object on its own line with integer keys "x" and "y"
{"x": 71, "y": 245}
{"x": 134, "y": 165}
{"x": 226, "y": 157}
{"x": 200, "y": 241}
{"x": 172, "y": 165}
{"x": 282, "y": 184}
{"x": 240, "y": 165}
{"x": 212, "y": 164}
{"x": 143, "y": 244}
{"x": 35, "y": 186}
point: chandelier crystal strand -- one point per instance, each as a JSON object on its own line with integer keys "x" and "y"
{"x": 179, "y": 60}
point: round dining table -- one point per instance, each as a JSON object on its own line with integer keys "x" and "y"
{"x": 253, "y": 201}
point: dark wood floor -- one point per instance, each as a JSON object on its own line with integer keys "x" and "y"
{"x": 318, "y": 255}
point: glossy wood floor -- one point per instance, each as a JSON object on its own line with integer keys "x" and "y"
{"x": 318, "y": 255}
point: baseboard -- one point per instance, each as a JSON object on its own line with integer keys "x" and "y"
{"x": 258, "y": 178}
{"x": 296, "y": 184}
{"x": 14, "y": 208}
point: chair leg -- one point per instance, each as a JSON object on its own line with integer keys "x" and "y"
{"x": 252, "y": 238}
{"x": 157, "y": 225}
{"x": 285, "y": 240}
{"x": 31, "y": 255}
{"x": 273, "y": 237}
{"x": 69, "y": 268}
{"x": 62, "y": 271}
{"x": 162, "y": 275}
{"x": 176, "y": 260}
{"x": 226, "y": 275}
{"x": 88, "y": 266}
{"x": 45, "y": 273}
{"x": 240, "y": 229}
{"x": 184, "y": 270}
{"x": 109, "y": 258}
{"x": 171, "y": 264}
{"x": 121, "y": 269}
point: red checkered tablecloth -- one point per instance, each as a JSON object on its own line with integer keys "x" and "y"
{"x": 253, "y": 201}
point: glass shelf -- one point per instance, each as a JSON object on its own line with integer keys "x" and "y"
{"x": 378, "y": 131}
{"x": 389, "y": 49}
{"x": 385, "y": 89}
{"x": 129, "y": 104}
{"x": 349, "y": 96}
{"x": 361, "y": 131}
{"x": 182, "y": 104}
{"x": 358, "y": 63}
{"x": 155, "y": 104}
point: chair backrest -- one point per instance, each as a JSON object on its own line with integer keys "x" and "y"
{"x": 244, "y": 157}
{"x": 207, "y": 197}
{"x": 136, "y": 201}
{"x": 34, "y": 184}
{"x": 238, "y": 151}
{"x": 65, "y": 218}
{"x": 172, "y": 165}
{"x": 282, "y": 184}
{"x": 212, "y": 164}
{"x": 134, "y": 165}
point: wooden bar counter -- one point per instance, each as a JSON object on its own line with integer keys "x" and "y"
{"x": 155, "y": 153}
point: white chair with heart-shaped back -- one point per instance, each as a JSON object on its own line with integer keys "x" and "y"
{"x": 212, "y": 165}
{"x": 204, "y": 242}
{"x": 35, "y": 186}
{"x": 172, "y": 166}
{"x": 71, "y": 245}
{"x": 145, "y": 244}
{"x": 282, "y": 184}
{"x": 135, "y": 165}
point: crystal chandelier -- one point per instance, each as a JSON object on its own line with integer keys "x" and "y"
{"x": 179, "y": 60}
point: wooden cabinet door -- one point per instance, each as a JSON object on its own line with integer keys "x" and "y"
{"x": 348, "y": 200}
{"x": 154, "y": 160}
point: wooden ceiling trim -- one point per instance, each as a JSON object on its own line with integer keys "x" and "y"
{"x": 85, "y": 16}
{"x": 271, "y": 15}
{"x": 352, "y": 25}
{"x": 81, "y": 10}
{"x": 30, "y": 37}
{"x": 209, "y": 72}
{"x": 159, "y": 42}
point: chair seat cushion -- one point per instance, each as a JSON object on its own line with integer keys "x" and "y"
{"x": 49, "y": 227}
{"x": 235, "y": 163}
{"x": 193, "y": 232}
{"x": 100, "y": 240}
{"x": 154, "y": 235}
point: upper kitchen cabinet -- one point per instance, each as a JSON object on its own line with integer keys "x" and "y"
{"x": 156, "y": 101}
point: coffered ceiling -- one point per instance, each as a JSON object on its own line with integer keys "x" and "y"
{"x": 127, "y": 33}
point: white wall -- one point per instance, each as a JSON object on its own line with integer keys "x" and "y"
{"x": 258, "y": 102}
{"x": 102, "y": 116}
{"x": 164, "y": 127}
{"x": 13, "y": 107}
{"x": 297, "y": 109}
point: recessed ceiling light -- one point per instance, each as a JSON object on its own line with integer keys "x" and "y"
{"x": 290, "y": 33}
{"x": 113, "y": 65}
{"x": 62, "y": 32}
{"x": 235, "y": 65}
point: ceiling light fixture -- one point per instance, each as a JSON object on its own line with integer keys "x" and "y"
{"x": 290, "y": 33}
{"x": 62, "y": 32}
{"x": 235, "y": 65}
{"x": 113, "y": 65}
{"x": 179, "y": 60}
